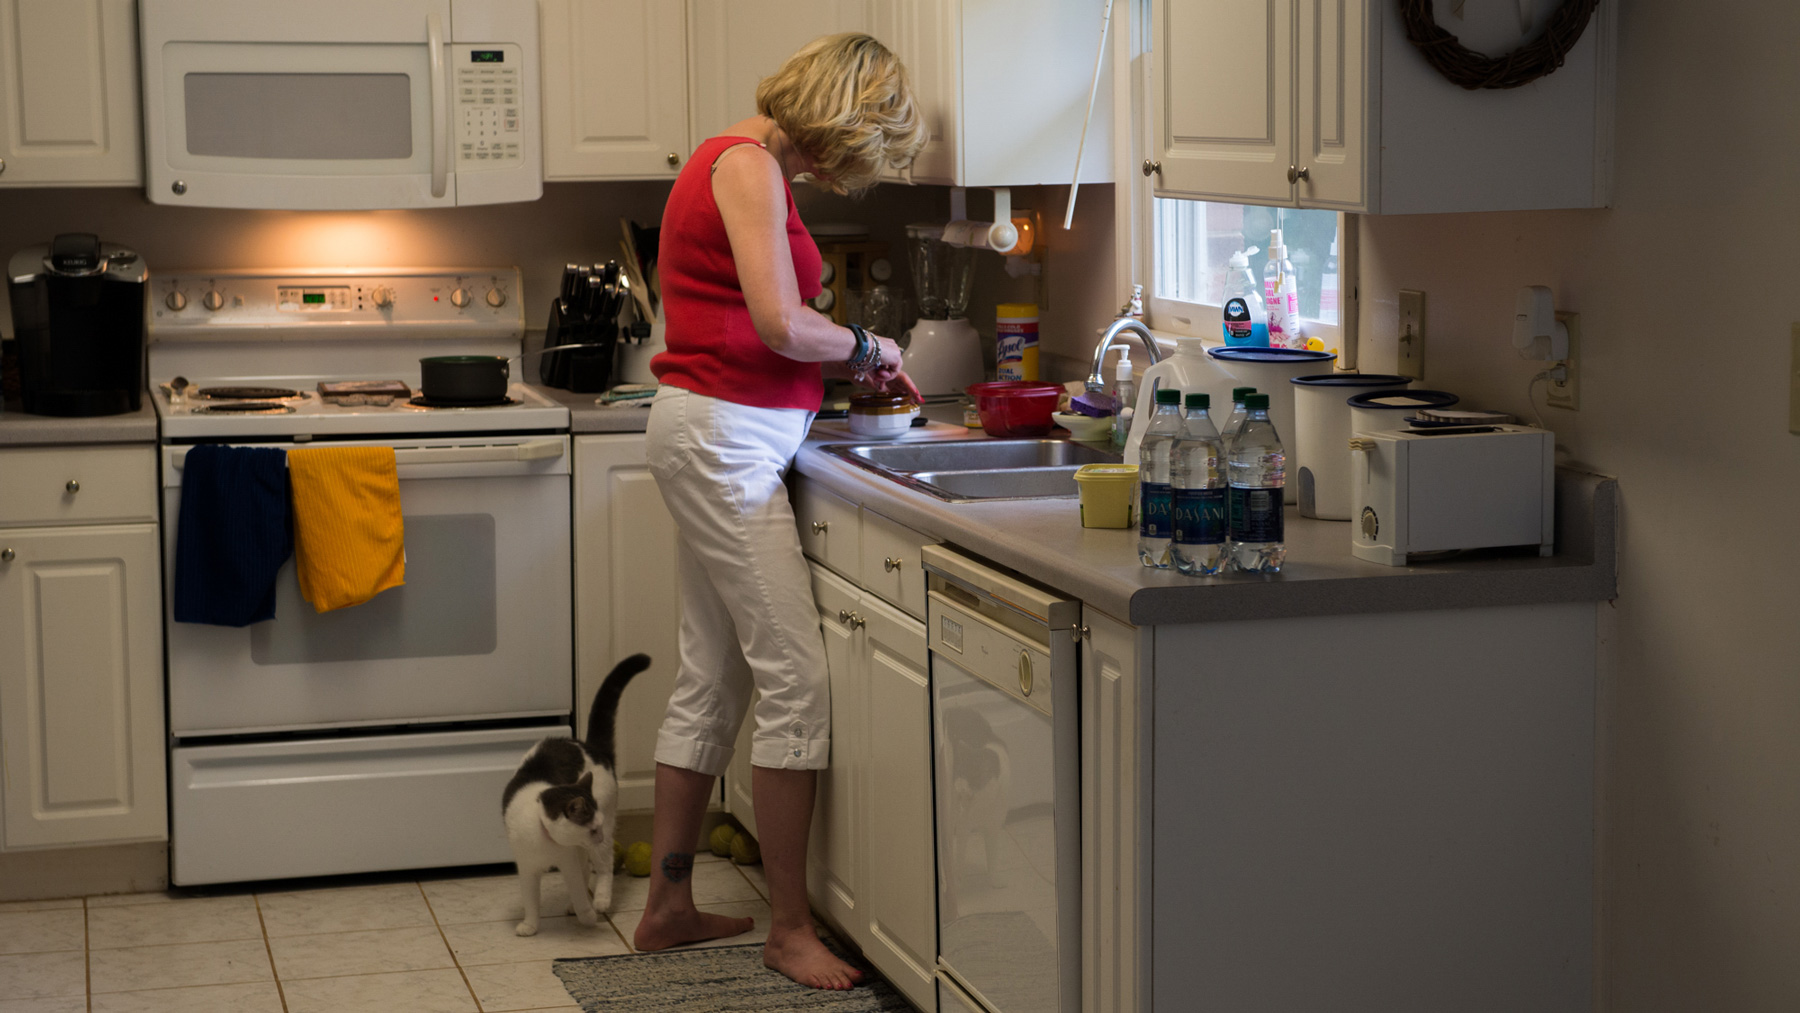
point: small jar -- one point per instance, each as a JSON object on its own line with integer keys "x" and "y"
{"x": 881, "y": 416}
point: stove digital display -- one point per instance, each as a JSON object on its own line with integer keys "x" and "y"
{"x": 335, "y": 297}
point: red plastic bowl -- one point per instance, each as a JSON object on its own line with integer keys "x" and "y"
{"x": 1014, "y": 408}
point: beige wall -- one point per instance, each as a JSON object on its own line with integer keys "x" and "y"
{"x": 1686, "y": 304}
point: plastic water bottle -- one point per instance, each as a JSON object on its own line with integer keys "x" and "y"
{"x": 1156, "y": 503}
{"x": 1197, "y": 478}
{"x": 1246, "y": 320}
{"x": 1257, "y": 468}
{"x": 1236, "y": 419}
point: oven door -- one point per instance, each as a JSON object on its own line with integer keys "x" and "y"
{"x": 337, "y": 104}
{"x": 481, "y": 629}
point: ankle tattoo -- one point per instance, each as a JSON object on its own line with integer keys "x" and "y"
{"x": 676, "y": 866}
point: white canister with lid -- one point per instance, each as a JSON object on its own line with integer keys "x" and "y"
{"x": 1320, "y": 458}
{"x": 1269, "y": 370}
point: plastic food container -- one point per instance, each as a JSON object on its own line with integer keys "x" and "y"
{"x": 881, "y": 416}
{"x": 1015, "y": 408}
{"x": 1106, "y": 495}
{"x": 1085, "y": 428}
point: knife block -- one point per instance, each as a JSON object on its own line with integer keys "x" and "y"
{"x": 580, "y": 370}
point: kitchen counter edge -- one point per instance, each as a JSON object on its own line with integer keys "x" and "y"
{"x": 18, "y": 429}
{"x": 587, "y": 416}
{"x": 1044, "y": 540}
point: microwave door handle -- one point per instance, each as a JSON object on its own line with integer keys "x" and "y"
{"x": 440, "y": 111}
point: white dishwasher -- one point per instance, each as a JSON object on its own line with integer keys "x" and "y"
{"x": 1006, "y": 768}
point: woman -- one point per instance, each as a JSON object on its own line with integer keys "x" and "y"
{"x": 740, "y": 382}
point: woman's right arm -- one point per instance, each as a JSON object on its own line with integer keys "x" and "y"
{"x": 752, "y": 201}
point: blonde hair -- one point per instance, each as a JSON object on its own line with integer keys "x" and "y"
{"x": 844, "y": 100}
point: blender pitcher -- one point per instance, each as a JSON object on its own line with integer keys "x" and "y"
{"x": 943, "y": 350}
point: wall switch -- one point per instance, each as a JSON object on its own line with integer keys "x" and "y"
{"x": 1412, "y": 335}
{"x": 1566, "y": 392}
{"x": 1794, "y": 381}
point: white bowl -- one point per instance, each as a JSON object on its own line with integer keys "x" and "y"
{"x": 1084, "y": 428}
{"x": 882, "y": 427}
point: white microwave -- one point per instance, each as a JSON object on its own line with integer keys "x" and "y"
{"x": 340, "y": 104}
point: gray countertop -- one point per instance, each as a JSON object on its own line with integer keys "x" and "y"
{"x": 587, "y": 416}
{"x": 1044, "y": 540}
{"x": 18, "y": 429}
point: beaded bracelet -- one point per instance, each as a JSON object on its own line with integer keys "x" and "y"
{"x": 867, "y": 355}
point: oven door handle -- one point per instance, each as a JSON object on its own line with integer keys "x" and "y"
{"x": 530, "y": 450}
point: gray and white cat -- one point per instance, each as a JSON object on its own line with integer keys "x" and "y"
{"x": 559, "y": 808}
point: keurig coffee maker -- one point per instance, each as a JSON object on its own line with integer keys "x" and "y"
{"x": 78, "y": 319}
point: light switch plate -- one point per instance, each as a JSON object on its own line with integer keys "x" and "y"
{"x": 1794, "y": 381}
{"x": 1411, "y": 360}
{"x": 1566, "y": 393}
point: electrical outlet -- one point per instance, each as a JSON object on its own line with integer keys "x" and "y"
{"x": 1566, "y": 392}
{"x": 1412, "y": 335}
{"x": 1794, "y": 381}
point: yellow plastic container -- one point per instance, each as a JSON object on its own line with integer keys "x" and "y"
{"x": 1106, "y": 495}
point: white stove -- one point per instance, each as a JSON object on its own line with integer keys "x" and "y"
{"x": 379, "y": 736}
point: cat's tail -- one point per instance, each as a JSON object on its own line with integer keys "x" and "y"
{"x": 602, "y": 716}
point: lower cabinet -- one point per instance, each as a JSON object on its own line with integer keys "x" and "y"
{"x": 81, "y": 690}
{"x": 1115, "y": 660}
{"x": 627, "y": 599}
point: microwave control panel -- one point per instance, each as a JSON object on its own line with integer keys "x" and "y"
{"x": 488, "y": 99}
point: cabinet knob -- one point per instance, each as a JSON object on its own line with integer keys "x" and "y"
{"x": 820, "y": 527}
{"x": 674, "y": 159}
{"x": 72, "y": 486}
{"x": 1298, "y": 173}
{"x": 843, "y": 615}
{"x": 2, "y": 165}
{"x": 1152, "y": 167}
{"x": 857, "y": 622}
{"x": 890, "y": 564}
{"x": 7, "y": 555}
{"x": 1025, "y": 677}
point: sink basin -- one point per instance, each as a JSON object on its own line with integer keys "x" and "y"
{"x": 962, "y": 471}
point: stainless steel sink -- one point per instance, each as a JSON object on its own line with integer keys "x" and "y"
{"x": 962, "y": 471}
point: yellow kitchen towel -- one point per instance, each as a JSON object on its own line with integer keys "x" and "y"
{"x": 349, "y": 541}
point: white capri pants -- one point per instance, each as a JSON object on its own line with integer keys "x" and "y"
{"x": 748, "y": 618}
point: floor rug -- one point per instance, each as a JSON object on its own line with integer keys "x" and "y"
{"x": 718, "y": 979}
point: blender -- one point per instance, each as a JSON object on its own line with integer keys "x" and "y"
{"x": 943, "y": 352}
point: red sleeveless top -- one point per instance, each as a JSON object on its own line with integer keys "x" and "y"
{"x": 713, "y": 348}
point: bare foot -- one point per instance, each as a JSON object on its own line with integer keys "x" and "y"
{"x": 799, "y": 955}
{"x": 661, "y": 931}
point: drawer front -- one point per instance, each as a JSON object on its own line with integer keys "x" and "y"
{"x": 829, "y": 528}
{"x": 890, "y": 562}
{"x": 77, "y": 485}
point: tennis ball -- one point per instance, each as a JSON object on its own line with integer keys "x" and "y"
{"x": 720, "y": 841}
{"x": 618, "y": 856}
{"x": 637, "y": 859}
{"x": 744, "y": 850}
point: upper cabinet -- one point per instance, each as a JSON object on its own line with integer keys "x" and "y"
{"x": 615, "y": 88}
{"x": 1003, "y": 84}
{"x": 1308, "y": 103}
{"x": 69, "y": 111}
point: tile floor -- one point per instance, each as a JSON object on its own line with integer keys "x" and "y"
{"x": 427, "y": 946}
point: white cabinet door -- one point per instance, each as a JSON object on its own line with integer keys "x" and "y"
{"x": 734, "y": 44}
{"x": 1224, "y": 99}
{"x": 626, "y": 599}
{"x": 81, "y": 706}
{"x": 69, "y": 93}
{"x": 1332, "y": 105}
{"x": 834, "y": 853}
{"x": 900, "y": 886}
{"x": 1112, "y": 736}
{"x": 615, "y": 88}
{"x": 920, "y": 33}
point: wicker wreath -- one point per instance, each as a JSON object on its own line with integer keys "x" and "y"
{"x": 1472, "y": 70}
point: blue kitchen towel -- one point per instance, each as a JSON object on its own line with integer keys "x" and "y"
{"x": 233, "y": 535}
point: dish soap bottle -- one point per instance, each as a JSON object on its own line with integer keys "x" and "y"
{"x": 1125, "y": 394}
{"x": 1246, "y": 318}
{"x": 1281, "y": 296}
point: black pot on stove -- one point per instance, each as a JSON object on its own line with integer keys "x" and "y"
{"x": 464, "y": 379}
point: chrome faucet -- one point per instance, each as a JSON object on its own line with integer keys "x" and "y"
{"x": 1095, "y": 382}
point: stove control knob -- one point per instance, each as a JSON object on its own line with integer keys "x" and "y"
{"x": 176, "y": 301}
{"x": 212, "y": 300}
{"x": 459, "y": 297}
{"x": 383, "y": 296}
{"x": 496, "y": 298}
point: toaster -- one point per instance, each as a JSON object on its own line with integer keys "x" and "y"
{"x": 1453, "y": 487}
